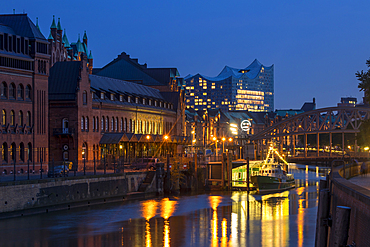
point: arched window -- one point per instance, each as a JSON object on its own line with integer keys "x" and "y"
{"x": 4, "y": 152}
{"x": 97, "y": 124}
{"x": 116, "y": 128}
{"x": 20, "y": 92}
{"x": 11, "y": 91}
{"x": 87, "y": 123}
{"x": 21, "y": 151}
{"x": 4, "y": 90}
{"x": 82, "y": 123}
{"x": 130, "y": 126}
{"x": 125, "y": 125}
{"x": 13, "y": 149}
{"x": 133, "y": 127}
{"x": 28, "y": 92}
{"x": 121, "y": 125}
{"x": 3, "y": 117}
{"x": 84, "y": 98}
{"x": 20, "y": 118}
{"x": 84, "y": 151}
{"x": 93, "y": 123}
{"x": 12, "y": 120}
{"x": 112, "y": 124}
{"x": 106, "y": 124}
{"x": 102, "y": 123}
{"x": 29, "y": 120}
{"x": 29, "y": 151}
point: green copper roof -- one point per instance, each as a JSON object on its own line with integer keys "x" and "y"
{"x": 85, "y": 36}
{"x": 53, "y": 23}
{"x": 59, "y": 26}
{"x": 50, "y": 36}
{"x": 37, "y": 23}
{"x": 79, "y": 45}
{"x": 65, "y": 40}
{"x": 90, "y": 56}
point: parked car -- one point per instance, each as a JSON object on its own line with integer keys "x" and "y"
{"x": 58, "y": 171}
{"x": 145, "y": 163}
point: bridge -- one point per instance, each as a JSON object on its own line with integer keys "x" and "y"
{"x": 309, "y": 136}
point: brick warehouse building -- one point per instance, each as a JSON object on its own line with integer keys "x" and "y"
{"x": 24, "y": 68}
{"x": 104, "y": 119}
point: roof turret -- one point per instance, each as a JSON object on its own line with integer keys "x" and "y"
{"x": 37, "y": 24}
{"x": 50, "y": 36}
{"x": 59, "y": 26}
{"x": 90, "y": 56}
{"x": 85, "y": 36}
{"x": 79, "y": 45}
{"x": 53, "y": 23}
{"x": 65, "y": 40}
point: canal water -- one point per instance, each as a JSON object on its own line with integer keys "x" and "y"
{"x": 212, "y": 219}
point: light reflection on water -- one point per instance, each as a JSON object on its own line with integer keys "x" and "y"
{"x": 216, "y": 219}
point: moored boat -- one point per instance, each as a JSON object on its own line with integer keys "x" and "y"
{"x": 272, "y": 177}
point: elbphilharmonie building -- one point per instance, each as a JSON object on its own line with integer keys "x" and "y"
{"x": 251, "y": 88}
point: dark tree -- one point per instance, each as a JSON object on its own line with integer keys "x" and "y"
{"x": 364, "y": 85}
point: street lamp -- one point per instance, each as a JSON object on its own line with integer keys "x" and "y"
{"x": 223, "y": 144}
{"x": 215, "y": 140}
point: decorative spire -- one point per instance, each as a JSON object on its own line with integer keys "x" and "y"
{"x": 65, "y": 40}
{"x": 90, "y": 56}
{"x": 85, "y": 36}
{"x": 53, "y": 23}
{"x": 59, "y": 26}
{"x": 37, "y": 24}
{"x": 50, "y": 36}
{"x": 79, "y": 40}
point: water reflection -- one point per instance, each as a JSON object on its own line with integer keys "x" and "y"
{"x": 217, "y": 219}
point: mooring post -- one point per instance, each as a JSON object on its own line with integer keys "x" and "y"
{"x": 248, "y": 174}
{"x": 196, "y": 170}
{"x": 322, "y": 221}
{"x": 341, "y": 226}
{"x": 223, "y": 169}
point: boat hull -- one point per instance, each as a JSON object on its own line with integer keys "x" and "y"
{"x": 271, "y": 184}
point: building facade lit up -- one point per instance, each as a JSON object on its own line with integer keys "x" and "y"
{"x": 251, "y": 88}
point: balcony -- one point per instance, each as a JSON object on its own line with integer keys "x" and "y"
{"x": 63, "y": 131}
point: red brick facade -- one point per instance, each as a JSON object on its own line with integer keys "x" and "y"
{"x": 24, "y": 68}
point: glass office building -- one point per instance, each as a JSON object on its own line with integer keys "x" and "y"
{"x": 249, "y": 89}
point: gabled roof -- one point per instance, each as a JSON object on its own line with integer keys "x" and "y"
{"x": 125, "y": 68}
{"x": 22, "y": 26}
{"x": 172, "y": 97}
{"x": 63, "y": 80}
{"x": 106, "y": 83}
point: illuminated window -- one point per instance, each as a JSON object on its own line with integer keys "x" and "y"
{"x": 191, "y": 94}
{"x": 204, "y": 93}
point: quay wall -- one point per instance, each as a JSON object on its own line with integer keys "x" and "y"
{"x": 345, "y": 193}
{"x": 20, "y": 198}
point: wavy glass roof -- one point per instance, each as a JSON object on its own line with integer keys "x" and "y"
{"x": 250, "y": 71}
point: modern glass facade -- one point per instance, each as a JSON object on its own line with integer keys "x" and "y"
{"x": 250, "y": 89}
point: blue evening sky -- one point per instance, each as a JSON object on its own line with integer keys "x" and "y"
{"x": 315, "y": 46}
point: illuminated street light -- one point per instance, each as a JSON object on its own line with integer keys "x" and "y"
{"x": 223, "y": 144}
{"x": 166, "y": 137}
{"x": 366, "y": 148}
{"x": 148, "y": 137}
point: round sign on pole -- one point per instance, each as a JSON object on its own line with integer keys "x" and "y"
{"x": 245, "y": 125}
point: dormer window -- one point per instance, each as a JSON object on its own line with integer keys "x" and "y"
{"x": 155, "y": 103}
{"x": 172, "y": 107}
{"x": 160, "y": 104}
{"x": 129, "y": 99}
{"x": 137, "y": 100}
{"x": 150, "y": 102}
{"x": 101, "y": 95}
{"x": 143, "y": 101}
{"x": 121, "y": 98}
{"x": 165, "y": 105}
{"x": 111, "y": 97}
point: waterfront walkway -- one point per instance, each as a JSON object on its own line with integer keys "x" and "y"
{"x": 361, "y": 180}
